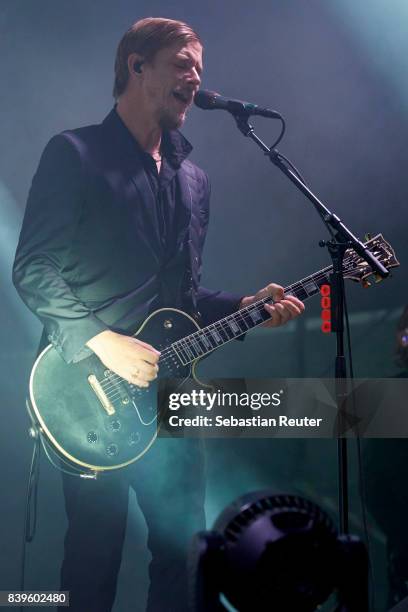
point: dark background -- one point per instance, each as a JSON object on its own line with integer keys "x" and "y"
{"x": 338, "y": 73}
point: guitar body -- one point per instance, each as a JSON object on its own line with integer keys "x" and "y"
{"x": 95, "y": 419}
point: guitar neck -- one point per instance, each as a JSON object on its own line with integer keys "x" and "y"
{"x": 215, "y": 335}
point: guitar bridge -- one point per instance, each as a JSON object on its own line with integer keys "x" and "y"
{"x": 101, "y": 395}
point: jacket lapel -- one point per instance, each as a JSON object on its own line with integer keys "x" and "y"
{"x": 147, "y": 209}
{"x": 186, "y": 205}
{"x": 138, "y": 193}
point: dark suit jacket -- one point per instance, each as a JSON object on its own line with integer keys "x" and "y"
{"x": 89, "y": 255}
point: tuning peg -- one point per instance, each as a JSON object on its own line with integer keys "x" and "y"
{"x": 366, "y": 284}
{"x": 367, "y": 237}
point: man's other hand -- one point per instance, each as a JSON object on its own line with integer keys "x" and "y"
{"x": 284, "y": 308}
{"x": 132, "y": 359}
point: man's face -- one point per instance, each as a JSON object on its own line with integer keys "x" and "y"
{"x": 170, "y": 82}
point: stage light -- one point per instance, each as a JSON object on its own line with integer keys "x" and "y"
{"x": 278, "y": 552}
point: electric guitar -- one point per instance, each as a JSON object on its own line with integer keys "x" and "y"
{"x": 94, "y": 420}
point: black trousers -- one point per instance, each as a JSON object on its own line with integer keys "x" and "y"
{"x": 169, "y": 483}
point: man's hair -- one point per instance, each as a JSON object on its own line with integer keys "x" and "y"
{"x": 146, "y": 37}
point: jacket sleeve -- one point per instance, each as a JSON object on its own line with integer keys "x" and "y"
{"x": 52, "y": 215}
{"x": 215, "y": 305}
{"x": 212, "y": 305}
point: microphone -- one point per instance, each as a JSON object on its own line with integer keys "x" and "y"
{"x": 210, "y": 100}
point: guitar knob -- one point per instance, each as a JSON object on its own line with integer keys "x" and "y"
{"x": 112, "y": 450}
{"x": 115, "y": 425}
{"x": 134, "y": 438}
{"x": 92, "y": 437}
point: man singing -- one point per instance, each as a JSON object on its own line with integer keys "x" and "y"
{"x": 114, "y": 228}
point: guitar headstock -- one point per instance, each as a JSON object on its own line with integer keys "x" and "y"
{"x": 356, "y": 269}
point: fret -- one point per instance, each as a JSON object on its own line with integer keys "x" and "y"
{"x": 240, "y": 320}
{"x": 310, "y": 286}
{"x": 299, "y": 292}
{"x": 237, "y": 326}
{"x": 260, "y": 315}
{"x": 194, "y": 344}
{"x": 322, "y": 278}
{"x": 238, "y": 323}
{"x": 187, "y": 350}
{"x": 179, "y": 352}
{"x": 253, "y": 315}
{"x": 205, "y": 341}
{"x": 215, "y": 335}
{"x": 212, "y": 343}
{"x": 223, "y": 330}
{"x": 233, "y": 326}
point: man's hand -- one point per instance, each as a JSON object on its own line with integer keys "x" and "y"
{"x": 131, "y": 359}
{"x": 283, "y": 310}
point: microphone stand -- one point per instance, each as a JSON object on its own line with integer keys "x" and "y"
{"x": 341, "y": 238}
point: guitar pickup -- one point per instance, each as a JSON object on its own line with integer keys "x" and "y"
{"x": 101, "y": 395}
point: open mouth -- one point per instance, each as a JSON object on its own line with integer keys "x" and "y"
{"x": 184, "y": 98}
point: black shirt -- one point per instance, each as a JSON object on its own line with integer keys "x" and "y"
{"x": 166, "y": 190}
{"x": 175, "y": 149}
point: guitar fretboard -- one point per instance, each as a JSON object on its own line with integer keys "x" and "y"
{"x": 215, "y": 335}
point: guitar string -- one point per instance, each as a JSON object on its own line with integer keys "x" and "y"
{"x": 112, "y": 387}
{"x": 168, "y": 353}
{"x": 218, "y": 325}
{"x": 247, "y": 311}
{"x": 115, "y": 390}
